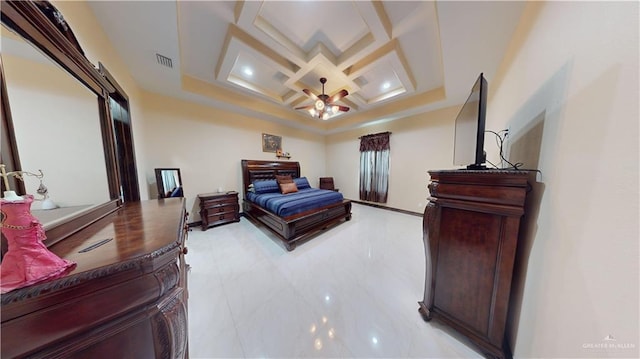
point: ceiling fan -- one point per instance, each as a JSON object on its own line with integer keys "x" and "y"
{"x": 324, "y": 105}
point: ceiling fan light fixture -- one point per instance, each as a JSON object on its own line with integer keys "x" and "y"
{"x": 323, "y": 105}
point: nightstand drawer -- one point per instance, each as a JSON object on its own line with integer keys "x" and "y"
{"x": 208, "y": 203}
{"x": 227, "y": 207}
{"x": 217, "y": 218}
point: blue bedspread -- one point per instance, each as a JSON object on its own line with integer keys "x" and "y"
{"x": 293, "y": 203}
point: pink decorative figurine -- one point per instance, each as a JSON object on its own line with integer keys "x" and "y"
{"x": 27, "y": 261}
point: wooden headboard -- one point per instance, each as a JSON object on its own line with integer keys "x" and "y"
{"x": 254, "y": 170}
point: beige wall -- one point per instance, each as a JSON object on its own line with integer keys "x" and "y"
{"x": 207, "y": 145}
{"x": 418, "y": 144}
{"x": 568, "y": 90}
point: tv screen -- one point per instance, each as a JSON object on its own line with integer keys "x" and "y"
{"x": 468, "y": 147}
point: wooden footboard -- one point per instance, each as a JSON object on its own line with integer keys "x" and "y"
{"x": 301, "y": 226}
{"x": 294, "y": 228}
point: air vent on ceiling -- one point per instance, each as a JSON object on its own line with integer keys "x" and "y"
{"x": 164, "y": 61}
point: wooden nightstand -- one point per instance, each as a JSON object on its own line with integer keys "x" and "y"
{"x": 218, "y": 208}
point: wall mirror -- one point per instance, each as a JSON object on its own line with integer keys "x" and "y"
{"x": 58, "y": 120}
{"x": 169, "y": 182}
{"x": 60, "y": 136}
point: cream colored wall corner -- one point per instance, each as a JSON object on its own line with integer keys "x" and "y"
{"x": 569, "y": 94}
{"x": 98, "y": 48}
{"x": 418, "y": 143}
{"x": 207, "y": 145}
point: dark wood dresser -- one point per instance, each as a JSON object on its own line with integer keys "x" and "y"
{"x": 218, "y": 208}
{"x": 471, "y": 227}
{"x": 126, "y": 298}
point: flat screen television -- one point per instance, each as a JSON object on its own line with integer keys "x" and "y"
{"x": 468, "y": 145}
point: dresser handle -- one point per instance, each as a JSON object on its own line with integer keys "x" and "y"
{"x": 185, "y": 250}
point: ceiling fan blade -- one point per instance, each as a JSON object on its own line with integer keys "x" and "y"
{"x": 310, "y": 94}
{"x": 343, "y": 108}
{"x": 305, "y": 107}
{"x": 342, "y": 93}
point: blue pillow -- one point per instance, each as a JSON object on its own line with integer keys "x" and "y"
{"x": 268, "y": 186}
{"x": 302, "y": 183}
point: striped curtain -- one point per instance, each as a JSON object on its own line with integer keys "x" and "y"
{"x": 374, "y": 167}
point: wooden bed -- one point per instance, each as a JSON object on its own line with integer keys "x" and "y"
{"x": 294, "y": 228}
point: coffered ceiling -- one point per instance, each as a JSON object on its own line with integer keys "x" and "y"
{"x": 395, "y": 58}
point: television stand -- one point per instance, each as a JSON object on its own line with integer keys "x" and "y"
{"x": 471, "y": 227}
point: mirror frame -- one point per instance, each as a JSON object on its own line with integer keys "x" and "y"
{"x": 160, "y": 182}
{"x": 9, "y": 150}
{"x": 27, "y": 20}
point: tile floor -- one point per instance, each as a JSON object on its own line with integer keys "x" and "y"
{"x": 350, "y": 292}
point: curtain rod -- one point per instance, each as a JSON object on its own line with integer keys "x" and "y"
{"x": 375, "y": 134}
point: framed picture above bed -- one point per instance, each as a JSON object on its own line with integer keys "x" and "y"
{"x": 271, "y": 143}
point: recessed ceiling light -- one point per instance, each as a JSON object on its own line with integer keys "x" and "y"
{"x": 248, "y": 71}
{"x": 386, "y": 85}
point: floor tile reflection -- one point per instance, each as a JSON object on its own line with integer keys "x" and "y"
{"x": 350, "y": 292}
